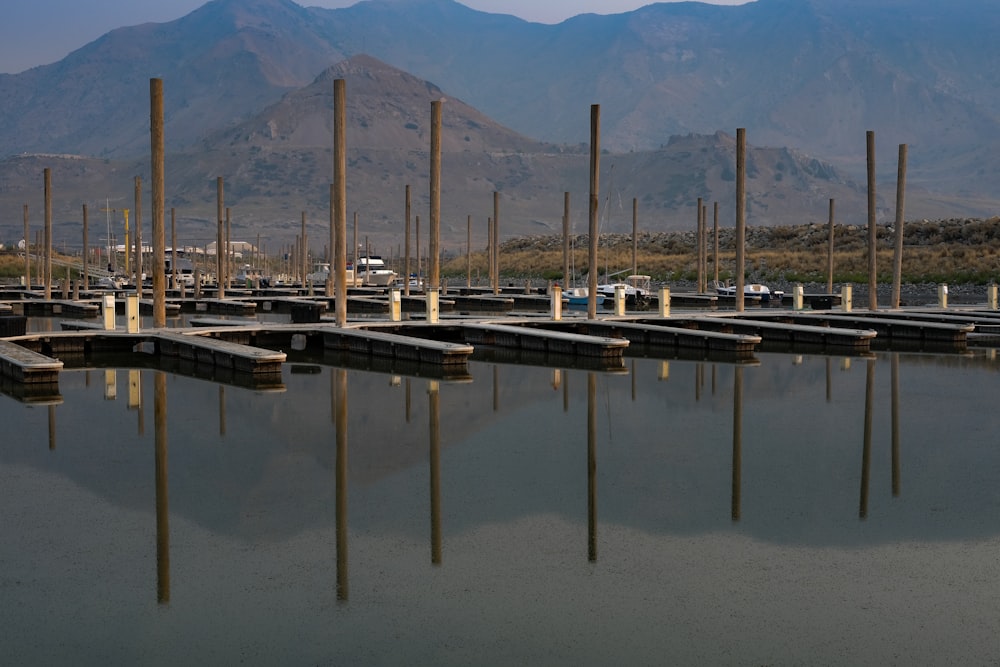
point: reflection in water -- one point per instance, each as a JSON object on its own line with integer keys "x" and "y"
{"x": 895, "y": 424}
{"x": 866, "y": 456}
{"x": 340, "y": 399}
{"x": 52, "y": 427}
{"x": 162, "y": 506}
{"x": 252, "y": 534}
{"x": 434, "y": 412}
{"x": 737, "y": 442}
{"x": 591, "y": 466}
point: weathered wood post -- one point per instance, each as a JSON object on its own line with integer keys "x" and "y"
{"x": 138, "y": 235}
{"x": 435, "y": 195}
{"x": 47, "y": 274}
{"x": 699, "y": 246}
{"x": 159, "y": 235}
{"x": 339, "y": 200}
{"x": 635, "y": 236}
{"x": 567, "y": 278}
{"x": 872, "y": 237}
{"x": 829, "y": 252}
{"x": 406, "y": 241}
{"x": 897, "y": 260}
{"x": 741, "y": 205}
{"x": 715, "y": 242}
{"x": 27, "y": 252}
{"x": 496, "y": 242}
{"x": 219, "y": 237}
{"x": 174, "y": 280}
{"x": 595, "y": 165}
{"x": 86, "y": 252}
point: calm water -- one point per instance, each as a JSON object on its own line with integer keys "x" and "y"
{"x": 797, "y": 509}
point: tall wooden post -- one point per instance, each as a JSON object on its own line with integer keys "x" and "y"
{"x": 47, "y": 276}
{"x": 435, "y": 206}
{"x": 339, "y": 198}
{"x": 741, "y": 206}
{"x": 219, "y": 238}
{"x": 715, "y": 242}
{"x": 173, "y": 248}
{"x": 829, "y": 252}
{"x": 406, "y": 242}
{"x": 158, "y": 203}
{"x": 496, "y": 242}
{"x": 872, "y": 238}
{"x": 595, "y": 165}
{"x": 27, "y": 252}
{"x": 86, "y": 249}
{"x": 635, "y": 236}
{"x": 700, "y": 246}
{"x": 303, "y": 254}
{"x": 137, "y": 218}
{"x": 567, "y": 278}
{"x": 897, "y": 266}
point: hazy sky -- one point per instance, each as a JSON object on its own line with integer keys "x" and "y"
{"x": 39, "y": 32}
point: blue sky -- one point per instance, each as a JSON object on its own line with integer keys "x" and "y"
{"x": 38, "y": 32}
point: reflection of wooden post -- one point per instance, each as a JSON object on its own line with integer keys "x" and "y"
{"x": 895, "y": 425}
{"x": 897, "y": 261}
{"x": 741, "y": 206}
{"x": 595, "y": 165}
{"x": 434, "y": 249}
{"x": 866, "y": 455}
{"x": 159, "y": 203}
{"x": 47, "y": 275}
{"x": 872, "y": 234}
{"x": 407, "y": 401}
{"x": 737, "y": 441}
{"x": 434, "y": 403}
{"x": 162, "y": 506}
{"x": 496, "y": 388}
{"x": 222, "y": 410}
{"x": 591, "y": 467}
{"x": 341, "y": 499}
{"x": 52, "y": 427}
{"x": 565, "y": 387}
{"x": 340, "y": 198}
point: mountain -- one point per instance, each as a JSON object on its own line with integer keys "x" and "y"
{"x": 806, "y": 77}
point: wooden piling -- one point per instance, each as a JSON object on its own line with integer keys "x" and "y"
{"x": 221, "y": 293}
{"x": 829, "y": 252}
{"x": 435, "y": 204}
{"x": 496, "y": 241}
{"x": 137, "y": 182}
{"x": 567, "y": 278}
{"x": 872, "y": 237}
{"x": 741, "y": 206}
{"x": 699, "y": 246}
{"x": 595, "y": 165}
{"x": 338, "y": 197}
{"x": 897, "y": 260}
{"x": 156, "y": 169}
{"x": 27, "y": 252}
{"x": 406, "y": 242}
{"x": 86, "y": 247}
{"x": 47, "y": 275}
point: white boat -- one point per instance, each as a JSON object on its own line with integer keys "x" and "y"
{"x": 751, "y": 290}
{"x": 637, "y": 289}
{"x": 321, "y": 271}
{"x": 580, "y": 296}
{"x": 373, "y": 271}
